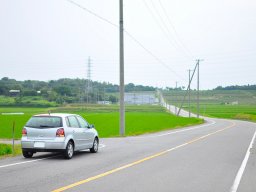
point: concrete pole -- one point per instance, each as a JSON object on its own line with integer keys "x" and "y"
{"x": 176, "y": 98}
{"x": 189, "y": 111}
{"x": 198, "y": 109}
{"x": 184, "y": 97}
{"x": 121, "y": 39}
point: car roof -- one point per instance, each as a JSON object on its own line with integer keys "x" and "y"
{"x": 54, "y": 114}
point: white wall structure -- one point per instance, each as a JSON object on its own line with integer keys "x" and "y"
{"x": 140, "y": 98}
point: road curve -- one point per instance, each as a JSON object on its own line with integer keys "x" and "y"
{"x": 209, "y": 157}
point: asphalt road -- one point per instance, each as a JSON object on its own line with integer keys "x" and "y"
{"x": 218, "y": 156}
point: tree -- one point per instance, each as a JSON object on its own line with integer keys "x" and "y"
{"x": 113, "y": 99}
{"x": 63, "y": 90}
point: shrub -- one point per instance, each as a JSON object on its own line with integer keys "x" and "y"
{"x": 5, "y": 149}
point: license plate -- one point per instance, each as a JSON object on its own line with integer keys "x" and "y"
{"x": 39, "y": 144}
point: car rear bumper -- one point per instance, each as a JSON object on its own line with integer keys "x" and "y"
{"x": 43, "y": 145}
{"x": 42, "y": 150}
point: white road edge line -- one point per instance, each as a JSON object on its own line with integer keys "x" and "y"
{"x": 106, "y": 173}
{"x": 179, "y": 131}
{"x": 242, "y": 167}
{"x": 24, "y": 162}
{"x": 31, "y": 161}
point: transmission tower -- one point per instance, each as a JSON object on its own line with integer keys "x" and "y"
{"x": 88, "y": 86}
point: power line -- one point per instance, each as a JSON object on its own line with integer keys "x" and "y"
{"x": 156, "y": 21}
{"x": 174, "y": 29}
{"x": 154, "y": 56}
{"x": 93, "y": 13}
{"x": 127, "y": 33}
{"x": 184, "y": 97}
{"x": 168, "y": 32}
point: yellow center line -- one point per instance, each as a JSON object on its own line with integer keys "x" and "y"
{"x": 139, "y": 161}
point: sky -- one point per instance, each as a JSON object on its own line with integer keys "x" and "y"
{"x": 52, "y": 39}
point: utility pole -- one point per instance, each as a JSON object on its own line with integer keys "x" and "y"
{"x": 176, "y": 87}
{"x": 88, "y": 79}
{"x": 121, "y": 39}
{"x": 189, "y": 111}
{"x": 198, "y": 107}
{"x": 198, "y": 88}
{"x": 196, "y": 66}
{"x": 184, "y": 97}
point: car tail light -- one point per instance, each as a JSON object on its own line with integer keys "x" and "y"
{"x": 24, "y": 132}
{"x": 60, "y": 133}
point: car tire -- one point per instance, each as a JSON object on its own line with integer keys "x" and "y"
{"x": 95, "y": 146}
{"x": 69, "y": 152}
{"x": 27, "y": 154}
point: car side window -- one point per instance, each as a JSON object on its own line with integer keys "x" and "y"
{"x": 82, "y": 122}
{"x": 73, "y": 122}
{"x": 67, "y": 122}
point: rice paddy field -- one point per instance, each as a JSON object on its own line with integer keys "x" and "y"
{"x": 140, "y": 119}
{"x": 234, "y": 104}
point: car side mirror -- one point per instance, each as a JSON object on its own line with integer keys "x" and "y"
{"x": 90, "y": 126}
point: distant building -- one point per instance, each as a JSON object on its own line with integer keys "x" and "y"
{"x": 140, "y": 98}
{"x": 234, "y": 103}
{"x": 14, "y": 92}
{"x": 104, "y": 102}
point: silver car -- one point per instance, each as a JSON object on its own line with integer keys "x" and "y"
{"x": 58, "y": 132}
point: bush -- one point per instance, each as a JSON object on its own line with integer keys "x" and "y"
{"x": 5, "y": 149}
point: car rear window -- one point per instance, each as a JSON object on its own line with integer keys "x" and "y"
{"x": 44, "y": 122}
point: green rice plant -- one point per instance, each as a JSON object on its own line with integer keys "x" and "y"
{"x": 139, "y": 119}
{"x": 232, "y": 104}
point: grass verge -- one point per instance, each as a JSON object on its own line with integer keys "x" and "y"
{"x": 6, "y": 150}
{"x": 246, "y": 117}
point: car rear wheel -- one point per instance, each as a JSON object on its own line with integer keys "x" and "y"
{"x": 69, "y": 152}
{"x": 95, "y": 146}
{"x": 27, "y": 154}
